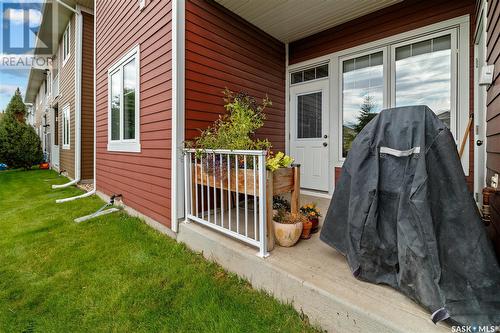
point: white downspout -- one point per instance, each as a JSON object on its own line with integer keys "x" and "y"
{"x": 178, "y": 32}
{"x": 78, "y": 104}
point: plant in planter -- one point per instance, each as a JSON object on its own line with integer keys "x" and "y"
{"x": 280, "y": 160}
{"x": 235, "y": 130}
{"x": 280, "y": 204}
{"x": 288, "y": 227}
{"x": 312, "y": 213}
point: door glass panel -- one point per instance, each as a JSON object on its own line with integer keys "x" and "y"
{"x": 309, "y": 116}
{"x": 423, "y": 75}
{"x": 362, "y": 94}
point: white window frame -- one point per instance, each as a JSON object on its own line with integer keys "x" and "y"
{"x": 66, "y": 44}
{"x": 125, "y": 145}
{"x": 462, "y": 26}
{"x": 66, "y": 136}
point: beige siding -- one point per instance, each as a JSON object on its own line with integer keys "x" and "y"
{"x": 67, "y": 96}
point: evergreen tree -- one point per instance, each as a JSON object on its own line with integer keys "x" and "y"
{"x": 366, "y": 114}
{"x": 20, "y": 146}
{"x": 16, "y": 107}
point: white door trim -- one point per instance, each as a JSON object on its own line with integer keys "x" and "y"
{"x": 317, "y": 86}
{"x": 480, "y": 124}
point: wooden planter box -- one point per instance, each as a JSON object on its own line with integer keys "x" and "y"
{"x": 281, "y": 181}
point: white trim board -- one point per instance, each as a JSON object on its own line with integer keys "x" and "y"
{"x": 461, "y": 24}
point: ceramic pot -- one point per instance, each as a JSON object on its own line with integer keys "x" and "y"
{"x": 306, "y": 230}
{"x": 315, "y": 224}
{"x": 287, "y": 234}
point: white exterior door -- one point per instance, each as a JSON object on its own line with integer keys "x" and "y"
{"x": 54, "y": 151}
{"x": 309, "y": 133}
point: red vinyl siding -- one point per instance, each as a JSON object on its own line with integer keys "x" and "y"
{"x": 493, "y": 115}
{"x": 142, "y": 178}
{"x": 223, "y": 50}
{"x": 399, "y": 18}
{"x": 493, "y": 97}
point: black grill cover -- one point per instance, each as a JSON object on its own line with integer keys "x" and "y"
{"x": 403, "y": 216}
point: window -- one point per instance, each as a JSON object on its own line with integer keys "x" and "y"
{"x": 310, "y": 74}
{"x": 362, "y": 94}
{"x": 66, "y": 127}
{"x": 66, "y": 44}
{"x": 123, "y": 126}
{"x": 423, "y": 75}
{"x": 415, "y": 72}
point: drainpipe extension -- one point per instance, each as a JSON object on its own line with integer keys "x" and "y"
{"x": 78, "y": 102}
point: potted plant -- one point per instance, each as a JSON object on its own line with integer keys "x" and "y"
{"x": 280, "y": 204}
{"x": 312, "y": 213}
{"x": 288, "y": 227}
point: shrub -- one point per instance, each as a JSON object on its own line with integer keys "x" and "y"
{"x": 20, "y": 146}
{"x": 235, "y": 130}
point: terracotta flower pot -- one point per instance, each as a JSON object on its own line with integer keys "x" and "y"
{"x": 306, "y": 230}
{"x": 315, "y": 224}
{"x": 287, "y": 234}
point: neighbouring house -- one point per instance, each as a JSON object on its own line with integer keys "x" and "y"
{"x": 63, "y": 95}
{"x": 161, "y": 67}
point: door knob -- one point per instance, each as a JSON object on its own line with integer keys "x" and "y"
{"x": 479, "y": 142}
{"x": 325, "y": 136}
{"x": 325, "y": 144}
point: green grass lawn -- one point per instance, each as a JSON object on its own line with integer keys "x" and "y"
{"x": 112, "y": 273}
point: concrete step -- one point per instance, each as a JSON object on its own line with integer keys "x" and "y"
{"x": 317, "y": 281}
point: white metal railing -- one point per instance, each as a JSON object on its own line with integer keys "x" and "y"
{"x": 226, "y": 190}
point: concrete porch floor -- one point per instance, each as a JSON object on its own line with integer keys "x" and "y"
{"x": 316, "y": 280}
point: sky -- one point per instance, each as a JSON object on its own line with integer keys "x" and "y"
{"x": 15, "y": 40}
{"x": 422, "y": 79}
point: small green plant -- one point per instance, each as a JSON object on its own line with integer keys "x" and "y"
{"x": 280, "y": 216}
{"x": 280, "y": 203}
{"x": 280, "y": 160}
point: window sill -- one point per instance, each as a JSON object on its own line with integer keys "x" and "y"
{"x": 66, "y": 147}
{"x": 126, "y": 147}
